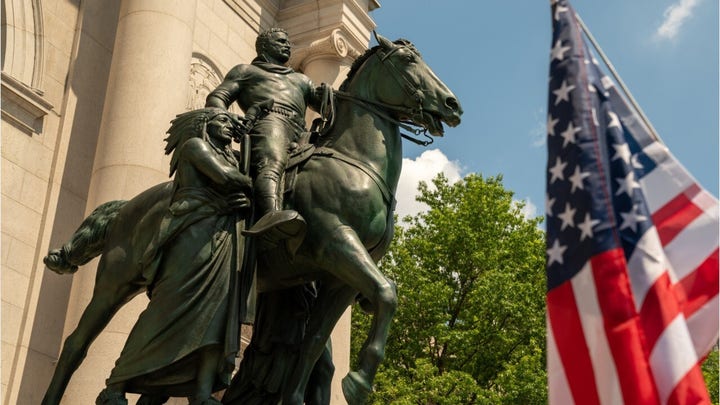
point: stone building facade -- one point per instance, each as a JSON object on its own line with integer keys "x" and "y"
{"x": 88, "y": 91}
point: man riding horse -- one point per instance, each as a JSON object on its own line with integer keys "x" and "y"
{"x": 267, "y": 78}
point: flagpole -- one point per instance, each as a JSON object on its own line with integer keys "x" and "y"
{"x": 624, "y": 88}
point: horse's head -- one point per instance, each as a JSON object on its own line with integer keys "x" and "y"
{"x": 400, "y": 78}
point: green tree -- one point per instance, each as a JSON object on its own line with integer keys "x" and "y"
{"x": 470, "y": 326}
{"x": 710, "y": 372}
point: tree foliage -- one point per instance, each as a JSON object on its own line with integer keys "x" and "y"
{"x": 470, "y": 326}
{"x": 710, "y": 373}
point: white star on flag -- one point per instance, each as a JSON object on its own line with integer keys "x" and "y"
{"x": 551, "y": 125}
{"x": 586, "y": 227}
{"x": 549, "y": 202}
{"x": 558, "y": 51}
{"x": 569, "y": 134}
{"x": 577, "y": 179}
{"x": 567, "y": 217}
{"x": 563, "y": 93}
{"x": 614, "y": 120}
{"x": 555, "y": 253}
{"x": 622, "y": 151}
{"x": 557, "y": 171}
{"x": 627, "y": 184}
{"x": 631, "y": 219}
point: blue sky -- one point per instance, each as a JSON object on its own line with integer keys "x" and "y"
{"x": 495, "y": 56}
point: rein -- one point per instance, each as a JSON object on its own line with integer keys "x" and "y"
{"x": 380, "y": 109}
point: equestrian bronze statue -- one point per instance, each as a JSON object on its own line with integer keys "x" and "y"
{"x": 341, "y": 181}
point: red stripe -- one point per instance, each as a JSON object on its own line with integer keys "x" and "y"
{"x": 572, "y": 347}
{"x": 700, "y": 286}
{"x": 674, "y": 216}
{"x": 690, "y": 390}
{"x": 659, "y": 309}
{"x": 623, "y": 328}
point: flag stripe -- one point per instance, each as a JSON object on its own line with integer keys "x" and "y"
{"x": 593, "y": 327}
{"x": 692, "y": 246}
{"x": 572, "y": 349}
{"x": 676, "y": 214}
{"x": 657, "y": 311}
{"x": 687, "y": 390}
{"x": 646, "y": 265}
{"x": 672, "y": 357}
{"x": 666, "y": 181}
{"x": 622, "y": 327}
{"x": 558, "y": 388}
{"x": 704, "y": 325}
{"x": 700, "y": 286}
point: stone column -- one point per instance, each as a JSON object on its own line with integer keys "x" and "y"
{"x": 146, "y": 88}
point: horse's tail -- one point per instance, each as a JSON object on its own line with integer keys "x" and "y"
{"x": 87, "y": 242}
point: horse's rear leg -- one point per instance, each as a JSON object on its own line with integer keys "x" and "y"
{"x": 105, "y": 302}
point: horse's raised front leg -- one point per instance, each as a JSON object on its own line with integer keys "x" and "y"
{"x": 105, "y": 302}
{"x": 345, "y": 256}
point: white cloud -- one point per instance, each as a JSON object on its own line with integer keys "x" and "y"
{"x": 424, "y": 168}
{"x": 674, "y": 17}
{"x": 530, "y": 210}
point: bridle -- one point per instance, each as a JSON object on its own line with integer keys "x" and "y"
{"x": 385, "y": 110}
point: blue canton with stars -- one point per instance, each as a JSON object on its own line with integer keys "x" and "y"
{"x": 594, "y": 202}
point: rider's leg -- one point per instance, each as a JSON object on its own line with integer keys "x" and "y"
{"x": 266, "y": 187}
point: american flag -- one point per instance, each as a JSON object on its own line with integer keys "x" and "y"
{"x": 632, "y": 246}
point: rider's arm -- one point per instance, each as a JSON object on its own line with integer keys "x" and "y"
{"x": 315, "y": 94}
{"x": 227, "y": 91}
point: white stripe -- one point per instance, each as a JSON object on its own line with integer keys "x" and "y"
{"x": 646, "y": 265}
{"x": 706, "y": 202}
{"x": 666, "y": 181}
{"x": 558, "y": 387}
{"x": 593, "y": 325}
{"x": 692, "y": 246}
{"x": 704, "y": 326}
{"x": 672, "y": 357}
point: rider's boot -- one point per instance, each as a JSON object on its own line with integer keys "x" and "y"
{"x": 274, "y": 225}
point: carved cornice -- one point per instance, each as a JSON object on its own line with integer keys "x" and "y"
{"x": 23, "y": 106}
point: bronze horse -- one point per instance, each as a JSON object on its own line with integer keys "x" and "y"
{"x": 345, "y": 192}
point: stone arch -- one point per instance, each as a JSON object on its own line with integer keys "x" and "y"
{"x": 22, "y": 46}
{"x": 204, "y": 77}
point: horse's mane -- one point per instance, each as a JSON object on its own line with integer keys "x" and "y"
{"x": 357, "y": 63}
{"x": 187, "y": 125}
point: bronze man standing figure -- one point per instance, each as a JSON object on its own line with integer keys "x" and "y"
{"x": 267, "y": 78}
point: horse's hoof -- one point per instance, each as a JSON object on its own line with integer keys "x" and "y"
{"x": 355, "y": 388}
{"x": 107, "y": 397}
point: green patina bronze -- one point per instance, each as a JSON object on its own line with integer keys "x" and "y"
{"x": 186, "y": 234}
